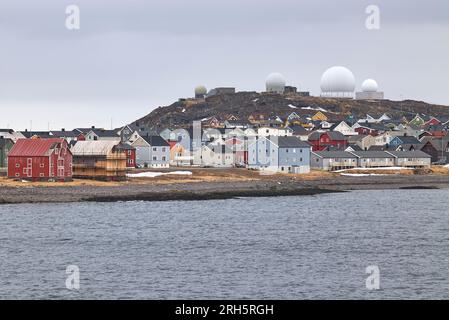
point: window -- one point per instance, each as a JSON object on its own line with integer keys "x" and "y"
{"x": 164, "y": 158}
{"x": 17, "y": 174}
{"x": 154, "y": 158}
{"x": 286, "y": 150}
{"x": 41, "y": 165}
{"x": 129, "y": 152}
{"x": 17, "y": 165}
{"x": 163, "y": 149}
{"x": 41, "y": 174}
{"x": 154, "y": 149}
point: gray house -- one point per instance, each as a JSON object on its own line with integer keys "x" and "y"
{"x": 333, "y": 160}
{"x": 411, "y": 159}
{"x": 374, "y": 159}
{"x": 152, "y": 151}
{"x": 279, "y": 154}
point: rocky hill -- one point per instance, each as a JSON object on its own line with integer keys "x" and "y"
{"x": 242, "y": 104}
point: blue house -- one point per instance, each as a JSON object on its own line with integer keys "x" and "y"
{"x": 403, "y": 140}
{"x": 279, "y": 154}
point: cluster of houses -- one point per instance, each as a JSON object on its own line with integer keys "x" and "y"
{"x": 297, "y": 142}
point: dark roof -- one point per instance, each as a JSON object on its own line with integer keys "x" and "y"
{"x": 372, "y": 154}
{"x": 334, "y": 154}
{"x": 7, "y": 130}
{"x": 409, "y": 154}
{"x": 41, "y": 134}
{"x": 291, "y": 142}
{"x": 64, "y": 134}
{"x": 334, "y": 135}
{"x": 84, "y": 130}
{"x": 409, "y": 140}
{"x": 378, "y": 148}
{"x": 124, "y": 146}
{"x": 298, "y": 130}
{"x": 438, "y": 143}
{"x": 156, "y": 141}
{"x": 105, "y": 133}
{"x": 355, "y": 147}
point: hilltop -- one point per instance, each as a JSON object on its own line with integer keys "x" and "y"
{"x": 242, "y": 104}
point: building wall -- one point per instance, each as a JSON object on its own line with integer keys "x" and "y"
{"x": 103, "y": 167}
{"x": 375, "y": 162}
{"x": 369, "y": 95}
{"x": 294, "y": 157}
{"x": 57, "y": 166}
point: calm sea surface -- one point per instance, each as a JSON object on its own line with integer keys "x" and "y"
{"x": 277, "y": 248}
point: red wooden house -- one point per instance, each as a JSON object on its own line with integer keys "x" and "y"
{"x": 322, "y": 140}
{"x": 130, "y": 152}
{"x": 40, "y": 159}
{"x": 239, "y": 150}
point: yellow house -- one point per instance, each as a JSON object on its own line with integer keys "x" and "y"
{"x": 319, "y": 116}
{"x": 179, "y": 156}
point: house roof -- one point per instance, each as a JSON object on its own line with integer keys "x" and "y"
{"x": 438, "y": 143}
{"x": 125, "y": 146}
{"x": 372, "y": 154}
{"x": 409, "y": 154}
{"x": 378, "y": 148}
{"x": 334, "y": 154}
{"x": 34, "y": 147}
{"x": 291, "y": 142}
{"x": 105, "y": 133}
{"x": 356, "y": 138}
{"x": 41, "y": 134}
{"x": 93, "y": 148}
{"x": 408, "y": 140}
{"x": 299, "y": 130}
{"x": 64, "y": 134}
{"x": 355, "y": 147}
{"x": 156, "y": 141}
{"x": 334, "y": 135}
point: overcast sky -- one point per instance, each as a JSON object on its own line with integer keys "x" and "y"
{"x": 131, "y": 56}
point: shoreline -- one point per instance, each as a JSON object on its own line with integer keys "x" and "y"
{"x": 176, "y": 189}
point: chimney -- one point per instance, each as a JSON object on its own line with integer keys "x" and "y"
{"x": 63, "y": 130}
{"x": 93, "y": 127}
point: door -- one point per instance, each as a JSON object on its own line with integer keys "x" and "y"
{"x": 29, "y": 167}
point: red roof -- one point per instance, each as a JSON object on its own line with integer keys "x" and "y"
{"x": 33, "y": 147}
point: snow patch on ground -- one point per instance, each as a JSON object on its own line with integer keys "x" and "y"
{"x": 292, "y": 106}
{"x": 446, "y": 166}
{"x": 361, "y": 174}
{"x": 157, "y": 174}
{"x": 315, "y": 109}
{"x": 374, "y": 169}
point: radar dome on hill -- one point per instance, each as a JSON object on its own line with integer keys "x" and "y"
{"x": 337, "y": 82}
{"x": 369, "y": 85}
{"x": 200, "y": 92}
{"x": 370, "y": 91}
{"x": 275, "y": 82}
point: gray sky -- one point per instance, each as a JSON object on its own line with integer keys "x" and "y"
{"x": 131, "y": 56}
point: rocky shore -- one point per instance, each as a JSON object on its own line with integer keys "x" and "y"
{"x": 267, "y": 187}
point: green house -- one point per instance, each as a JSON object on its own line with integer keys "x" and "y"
{"x": 5, "y": 145}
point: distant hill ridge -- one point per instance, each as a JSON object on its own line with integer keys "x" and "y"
{"x": 243, "y": 104}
